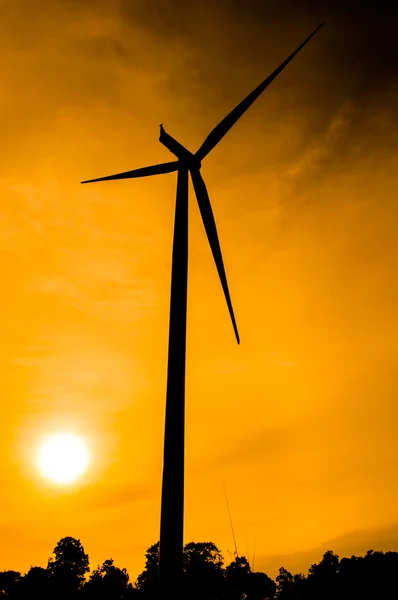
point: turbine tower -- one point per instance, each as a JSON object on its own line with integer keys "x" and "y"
{"x": 172, "y": 503}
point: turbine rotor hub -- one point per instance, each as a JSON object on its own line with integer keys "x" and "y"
{"x": 182, "y": 153}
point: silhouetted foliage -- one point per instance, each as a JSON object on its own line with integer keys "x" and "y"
{"x": 260, "y": 587}
{"x": 147, "y": 581}
{"x": 369, "y": 577}
{"x": 35, "y": 584}
{"x": 241, "y": 582}
{"x": 8, "y": 583}
{"x": 372, "y": 577}
{"x": 285, "y": 584}
{"x": 68, "y": 567}
{"x": 236, "y": 578}
{"x": 203, "y": 571}
{"x": 323, "y": 577}
{"x": 108, "y": 582}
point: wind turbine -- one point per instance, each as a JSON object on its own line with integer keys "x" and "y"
{"x": 172, "y": 504}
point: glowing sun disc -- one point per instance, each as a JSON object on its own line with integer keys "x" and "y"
{"x": 63, "y": 458}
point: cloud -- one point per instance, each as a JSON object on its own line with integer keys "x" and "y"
{"x": 356, "y": 543}
{"x": 102, "y": 496}
{"x": 311, "y": 160}
{"x": 269, "y": 444}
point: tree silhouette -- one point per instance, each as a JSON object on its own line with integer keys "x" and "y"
{"x": 34, "y": 584}
{"x": 236, "y": 578}
{"x": 291, "y": 587}
{"x": 323, "y": 577}
{"x": 8, "y": 583}
{"x": 108, "y": 582}
{"x": 260, "y": 587}
{"x": 203, "y": 571}
{"x": 147, "y": 581}
{"x": 380, "y": 574}
{"x": 241, "y": 582}
{"x": 369, "y": 577}
{"x": 68, "y": 567}
{"x": 285, "y": 584}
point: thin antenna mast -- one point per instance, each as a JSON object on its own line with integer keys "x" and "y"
{"x": 247, "y": 550}
{"x": 230, "y": 520}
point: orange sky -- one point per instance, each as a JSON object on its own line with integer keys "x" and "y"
{"x": 300, "y": 421}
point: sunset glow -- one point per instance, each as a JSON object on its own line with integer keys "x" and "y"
{"x": 63, "y": 458}
{"x": 299, "y": 421}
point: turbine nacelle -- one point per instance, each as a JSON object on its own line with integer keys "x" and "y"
{"x": 182, "y": 153}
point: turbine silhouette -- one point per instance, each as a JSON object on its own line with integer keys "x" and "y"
{"x": 172, "y": 504}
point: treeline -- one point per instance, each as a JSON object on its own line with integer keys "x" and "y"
{"x": 68, "y": 577}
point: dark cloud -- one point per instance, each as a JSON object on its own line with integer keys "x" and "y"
{"x": 225, "y": 48}
{"x": 361, "y": 38}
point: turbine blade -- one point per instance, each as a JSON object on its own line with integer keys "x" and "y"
{"x": 225, "y": 125}
{"x": 212, "y": 235}
{"x": 168, "y": 167}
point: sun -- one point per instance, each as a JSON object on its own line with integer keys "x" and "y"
{"x": 63, "y": 458}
